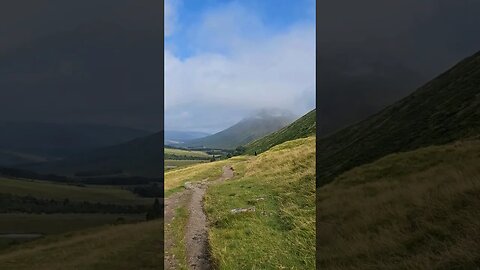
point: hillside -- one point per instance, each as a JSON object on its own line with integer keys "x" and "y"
{"x": 245, "y": 131}
{"x": 177, "y": 138}
{"x": 303, "y": 127}
{"x": 444, "y": 110}
{"x": 411, "y": 210}
{"x": 139, "y": 157}
{"x": 37, "y": 142}
{"x": 104, "y": 247}
{"x": 269, "y": 183}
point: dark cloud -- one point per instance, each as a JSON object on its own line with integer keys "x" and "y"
{"x": 374, "y": 52}
{"x": 82, "y": 61}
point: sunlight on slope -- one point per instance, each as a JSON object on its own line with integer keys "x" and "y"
{"x": 280, "y": 233}
{"x": 198, "y": 172}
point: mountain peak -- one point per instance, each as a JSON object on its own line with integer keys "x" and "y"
{"x": 266, "y": 113}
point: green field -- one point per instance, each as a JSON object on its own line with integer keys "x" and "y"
{"x": 50, "y": 190}
{"x": 175, "y": 158}
{"x": 187, "y": 153}
{"x": 23, "y": 223}
{"x": 172, "y": 164}
{"x": 413, "y": 210}
{"x": 116, "y": 247}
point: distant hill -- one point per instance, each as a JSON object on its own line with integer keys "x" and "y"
{"x": 303, "y": 127}
{"x": 139, "y": 157}
{"x": 444, "y": 110}
{"x": 245, "y": 131}
{"x": 177, "y": 138}
{"x": 36, "y": 142}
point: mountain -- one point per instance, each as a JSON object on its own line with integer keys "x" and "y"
{"x": 177, "y": 138}
{"x": 138, "y": 157}
{"x": 22, "y": 142}
{"x": 256, "y": 126}
{"x": 303, "y": 127}
{"x": 444, "y": 110}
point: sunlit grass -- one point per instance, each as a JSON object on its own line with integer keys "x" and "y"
{"x": 188, "y": 153}
{"x": 198, "y": 172}
{"x": 60, "y": 191}
{"x": 280, "y": 234}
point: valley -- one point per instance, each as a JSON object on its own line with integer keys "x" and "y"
{"x": 256, "y": 197}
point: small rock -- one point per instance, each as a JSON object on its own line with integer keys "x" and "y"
{"x": 242, "y": 210}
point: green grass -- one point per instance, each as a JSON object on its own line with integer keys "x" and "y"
{"x": 412, "y": 210}
{"x": 58, "y": 223}
{"x": 171, "y": 163}
{"x": 178, "y": 229}
{"x": 280, "y": 234}
{"x": 442, "y": 111}
{"x": 55, "y": 223}
{"x": 212, "y": 170}
{"x": 131, "y": 246}
{"x": 180, "y": 152}
{"x": 303, "y": 127}
{"x": 59, "y": 191}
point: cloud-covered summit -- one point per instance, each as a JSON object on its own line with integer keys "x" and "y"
{"x": 237, "y": 62}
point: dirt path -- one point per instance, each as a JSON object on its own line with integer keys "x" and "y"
{"x": 197, "y": 231}
{"x": 171, "y": 203}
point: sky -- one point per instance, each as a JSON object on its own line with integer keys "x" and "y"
{"x": 86, "y": 61}
{"x": 224, "y": 60}
{"x": 374, "y": 52}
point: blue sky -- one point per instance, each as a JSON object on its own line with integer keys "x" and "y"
{"x": 226, "y": 59}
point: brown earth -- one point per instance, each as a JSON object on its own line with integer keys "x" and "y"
{"x": 198, "y": 257}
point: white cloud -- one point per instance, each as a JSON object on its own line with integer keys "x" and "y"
{"x": 170, "y": 18}
{"x": 253, "y": 70}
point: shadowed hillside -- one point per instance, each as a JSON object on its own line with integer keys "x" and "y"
{"x": 411, "y": 210}
{"x": 303, "y": 127}
{"x": 444, "y": 110}
{"x": 245, "y": 131}
{"x": 36, "y": 142}
{"x": 139, "y": 157}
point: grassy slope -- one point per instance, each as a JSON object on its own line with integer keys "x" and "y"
{"x": 303, "y": 127}
{"x": 413, "y": 210}
{"x": 110, "y": 247}
{"x": 241, "y": 133}
{"x": 444, "y": 110}
{"x": 48, "y": 190}
{"x": 175, "y": 178}
{"x": 47, "y": 224}
{"x": 280, "y": 233}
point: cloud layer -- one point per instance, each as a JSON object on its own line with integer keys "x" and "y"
{"x": 239, "y": 66}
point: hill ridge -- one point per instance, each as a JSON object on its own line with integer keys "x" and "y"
{"x": 443, "y": 110}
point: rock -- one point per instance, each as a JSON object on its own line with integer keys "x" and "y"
{"x": 242, "y": 210}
